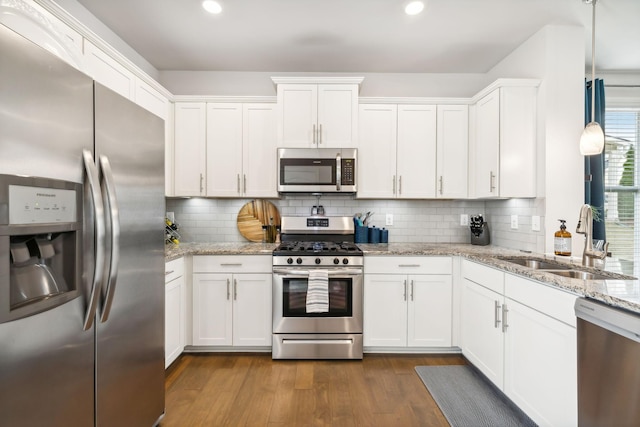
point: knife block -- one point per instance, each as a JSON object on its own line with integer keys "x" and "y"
{"x": 480, "y": 235}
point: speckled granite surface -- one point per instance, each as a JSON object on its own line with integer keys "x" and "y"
{"x": 617, "y": 292}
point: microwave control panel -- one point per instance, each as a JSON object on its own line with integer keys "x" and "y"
{"x": 348, "y": 171}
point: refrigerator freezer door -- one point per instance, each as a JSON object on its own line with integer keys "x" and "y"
{"x": 46, "y": 120}
{"x": 130, "y": 336}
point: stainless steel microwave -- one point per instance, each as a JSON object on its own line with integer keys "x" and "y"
{"x": 317, "y": 170}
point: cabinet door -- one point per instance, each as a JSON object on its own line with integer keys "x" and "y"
{"x": 486, "y": 146}
{"x": 174, "y": 307}
{"x": 385, "y": 310}
{"x": 337, "y": 116}
{"x": 298, "y": 115}
{"x": 429, "y": 311}
{"x": 224, "y": 149}
{"x": 452, "y": 151}
{"x": 212, "y": 309}
{"x": 189, "y": 149}
{"x": 377, "y": 151}
{"x": 259, "y": 150}
{"x": 252, "y": 310}
{"x": 150, "y": 99}
{"x": 541, "y": 366}
{"x": 416, "y": 151}
{"x": 481, "y": 330}
{"x": 108, "y": 72}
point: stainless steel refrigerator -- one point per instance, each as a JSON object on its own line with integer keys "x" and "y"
{"x": 81, "y": 248}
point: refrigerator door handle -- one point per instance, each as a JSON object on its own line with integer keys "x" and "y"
{"x": 98, "y": 210}
{"x": 114, "y": 222}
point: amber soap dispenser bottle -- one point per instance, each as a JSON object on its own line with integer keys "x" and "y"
{"x": 562, "y": 240}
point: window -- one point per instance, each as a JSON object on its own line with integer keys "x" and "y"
{"x": 622, "y": 201}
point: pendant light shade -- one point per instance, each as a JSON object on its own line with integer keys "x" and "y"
{"x": 592, "y": 139}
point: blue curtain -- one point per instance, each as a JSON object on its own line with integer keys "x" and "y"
{"x": 594, "y": 165}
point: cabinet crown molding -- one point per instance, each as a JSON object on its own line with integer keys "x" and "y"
{"x": 505, "y": 83}
{"x": 317, "y": 80}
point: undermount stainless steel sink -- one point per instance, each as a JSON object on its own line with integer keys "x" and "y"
{"x": 536, "y": 264}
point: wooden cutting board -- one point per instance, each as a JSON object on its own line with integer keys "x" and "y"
{"x": 253, "y": 215}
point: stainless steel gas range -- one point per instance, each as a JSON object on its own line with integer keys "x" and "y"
{"x": 317, "y": 260}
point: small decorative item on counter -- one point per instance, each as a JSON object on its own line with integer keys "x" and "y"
{"x": 171, "y": 234}
{"x": 562, "y": 240}
{"x": 479, "y": 230}
{"x": 374, "y": 234}
{"x": 384, "y": 236}
{"x": 361, "y": 234}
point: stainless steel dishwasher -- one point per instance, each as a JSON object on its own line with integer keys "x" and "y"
{"x": 608, "y": 365}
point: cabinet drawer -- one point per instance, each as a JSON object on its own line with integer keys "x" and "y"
{"x": 553, "y": 302}
{"x": 407, "y": 265}
{"x": 486, "y": 276}
{"x": 173, "y": 269}
{"x": 232, "y": 264}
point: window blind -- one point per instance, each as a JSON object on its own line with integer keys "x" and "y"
{"x": 622, "y": 201}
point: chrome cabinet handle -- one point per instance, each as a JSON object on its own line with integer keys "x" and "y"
{"x": 228, "y": 291}
{"x": 440, "y": 184}
{"x": 235, "y": 289}
{"x": 405, "y": 290}
{"x": 338, "y": 171}
{"x": 99, "y": 230}
{"x": 411, "y": 290}
{"x": 238, "y": 184}
{"x": 394, "y": 184}
{"x": 114, "y": 225}
{"x": 244, "y": 183}
{"x": 496, "y": 314}
{"x": 492, "y": 186}
{"x": 166, "y": 273}
{"x": 400, "y": 185}
{"x": 505, "y": 324}
{"x": 314, "y": 135}
{"x": 230, "y": 264}
{"x": 409, "y": 265}
{"x": 201, "y": 181}
{"x": 320, "y": 134}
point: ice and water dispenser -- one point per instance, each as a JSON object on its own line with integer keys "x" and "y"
{"x": 40, "y": 244}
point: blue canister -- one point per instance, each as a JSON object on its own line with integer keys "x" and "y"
{"x": 361, "y": 234}
{"x": 374, "y": 235}
{"x": 384, "y": 236}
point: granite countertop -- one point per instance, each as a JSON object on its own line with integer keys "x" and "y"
{"x": 617, "y": 292}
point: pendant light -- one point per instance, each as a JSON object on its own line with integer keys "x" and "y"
{"x": 592, "y": 139}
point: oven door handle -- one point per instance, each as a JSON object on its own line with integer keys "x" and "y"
{"x": 338, "y": 272}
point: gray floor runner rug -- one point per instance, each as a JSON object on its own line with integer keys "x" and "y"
{"x": 468, "y": 400}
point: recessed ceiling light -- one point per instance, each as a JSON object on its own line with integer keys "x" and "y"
{"x": 414, "y": 8}
{"x": 212, "y": 6}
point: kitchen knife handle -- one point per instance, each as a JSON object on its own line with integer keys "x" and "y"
{"x": 235, "y": 289}
{"x": 405, "y": 290}
{"x": 114, "y": 216}
{"x": 228, "y": 291}
{"x": 99, "y": 229}
{"x": 496, "y": 314}
{"x": 440, "y": 184}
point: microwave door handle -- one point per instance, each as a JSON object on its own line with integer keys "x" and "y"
{"x": 338, "y": 171}
{"x": 114, "y": 217}
{"x": 98, "y": 211}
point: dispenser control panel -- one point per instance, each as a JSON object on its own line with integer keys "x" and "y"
{"x": 41, "y": 205}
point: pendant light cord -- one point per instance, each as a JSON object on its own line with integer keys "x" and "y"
{"x": 593, "y": 63}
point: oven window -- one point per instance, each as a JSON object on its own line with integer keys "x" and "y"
{"x": 307, "y": 172}
{"x": 295, "y": 298}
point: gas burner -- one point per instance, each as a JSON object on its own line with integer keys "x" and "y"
{"x": 319, "y": 248}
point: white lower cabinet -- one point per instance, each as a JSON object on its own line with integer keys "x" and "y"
{"x": 174, "y": 310}
{"x": 524, "y": 340}
{"x": 407, "y": 310}
{"x": 232, "y": 308}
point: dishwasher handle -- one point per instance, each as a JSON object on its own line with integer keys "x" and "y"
{"x": 610, "y": 318}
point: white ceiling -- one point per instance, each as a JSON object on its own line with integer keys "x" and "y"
{"x": 450, "y": 36}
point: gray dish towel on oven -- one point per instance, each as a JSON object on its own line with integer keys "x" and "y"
{"x": 318, "y": 291}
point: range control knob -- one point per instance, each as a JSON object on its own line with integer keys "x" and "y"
{"x": 336, "y": 261}
{"x": 345, "y": 261}
{"x": 289, "y": 260}
{"x": 318, "y": 261}
{"x": 299, "y": 261}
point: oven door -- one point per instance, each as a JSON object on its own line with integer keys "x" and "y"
{"x": 289, "y": 302}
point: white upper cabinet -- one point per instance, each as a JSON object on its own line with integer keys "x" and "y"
{"x": 503, "y": 149}
{"x": 224, "y": 149}
{"x": 416, "y": 149}
{"x": 259, "y": 149}
{"x": 452, "y": 151}
{"x": 151, "y": 100}
{"x": 317, "y": 115}
{"x": 107, "y": 71}
{"x": 189, "y": 151}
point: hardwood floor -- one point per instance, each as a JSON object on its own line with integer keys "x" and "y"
{"x": 225, "y": 389}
